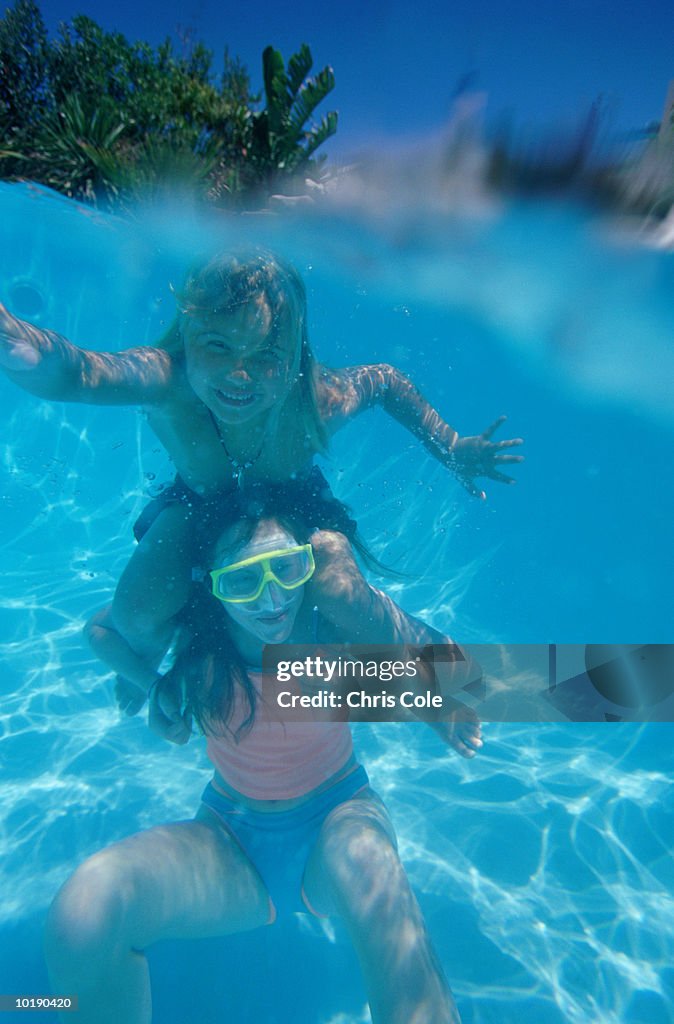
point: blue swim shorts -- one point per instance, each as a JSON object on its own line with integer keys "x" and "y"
{"x": 278, "y": 843}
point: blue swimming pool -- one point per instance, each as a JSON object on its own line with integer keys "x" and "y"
{"x": 543, "y": 867}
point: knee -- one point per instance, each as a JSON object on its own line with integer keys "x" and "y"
{"x": 328, "y": 545}
{"x": 148, "y": 612}
{"x": 337, "y": 573}
{"x": 89, "y": 917}
{"x": 96, "y": 628}
{"x": 132, "y": 619}
{"x": 90, "y": 634}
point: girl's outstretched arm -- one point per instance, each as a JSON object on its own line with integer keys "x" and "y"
{"x": 348, "y": 392}
{"x": 49, "y": 366}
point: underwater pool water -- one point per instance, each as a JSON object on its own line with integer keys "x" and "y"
{"x": 543, "y": 867}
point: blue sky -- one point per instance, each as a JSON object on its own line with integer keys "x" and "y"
{"x": 397, "y": 62}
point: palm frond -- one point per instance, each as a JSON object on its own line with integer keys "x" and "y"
{"x": 310, "y": 95}
{"x": 299, "y": 66}
{"x": 275, "y": 87}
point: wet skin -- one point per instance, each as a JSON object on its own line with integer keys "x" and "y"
{"x": 271, "y": 617}
{"x": 239, "y": 363}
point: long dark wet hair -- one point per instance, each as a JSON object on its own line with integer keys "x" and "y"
{"x": 208, "y": 666}
{"x": 232, "y": 279}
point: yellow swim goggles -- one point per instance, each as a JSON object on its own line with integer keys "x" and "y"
{"x": 244, "y": 581}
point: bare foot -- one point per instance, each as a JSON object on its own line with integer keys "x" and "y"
{"x": 462, "y": 731}
{"x": 130, "y": 698}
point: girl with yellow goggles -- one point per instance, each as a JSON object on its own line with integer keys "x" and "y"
{"x": 243, "y": 582}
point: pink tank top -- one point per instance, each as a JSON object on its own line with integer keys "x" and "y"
{"x": 277, "y": 759}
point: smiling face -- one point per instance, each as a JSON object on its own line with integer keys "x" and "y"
{"x": 270, "y": 618}
{"x": 243, "y": 361}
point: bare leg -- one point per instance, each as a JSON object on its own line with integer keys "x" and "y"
{"x": 113, "y": 649}
{"x": 343, "y": 595}
{"x": 186, "y": 880}
{"x": 156, "y": 583}
{"x": 354, "y": 871}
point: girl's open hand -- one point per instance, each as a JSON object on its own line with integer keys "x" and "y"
{"x": 480, "y": 456}
{"x": 19, "y": 348}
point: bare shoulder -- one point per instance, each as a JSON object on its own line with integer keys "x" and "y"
{"x": 175, "y": 394}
